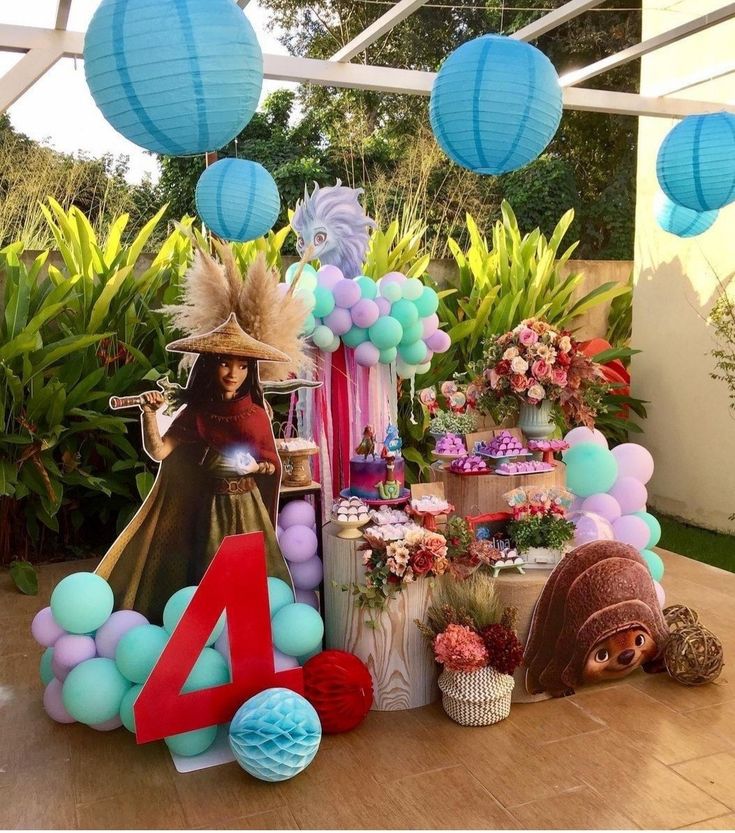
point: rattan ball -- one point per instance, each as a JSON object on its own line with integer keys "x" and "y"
{"x": 693, "y": 655}
{"x": 680, "y": 616}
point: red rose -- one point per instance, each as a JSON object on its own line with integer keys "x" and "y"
{"x": 563, "y": 359}
{"x": 503, "y": 367}
{"x": 422, "y": 562}
{"x": 394, "y": 579}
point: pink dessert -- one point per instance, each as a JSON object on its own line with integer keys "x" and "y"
{"x": 548, "y": 445}
{"x": 451, "y": 444}
{"x": 470, "y": 464}
{"x": 504, "y": 445}
{"x": 524, "y": 467}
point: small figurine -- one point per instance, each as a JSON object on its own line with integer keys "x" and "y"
{"x": 367, "y": 443}
{"x": 390, "y": 488}
{"x": 392, "y": 443}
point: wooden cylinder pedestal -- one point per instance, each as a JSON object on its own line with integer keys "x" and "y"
{"x": 398, "y": 655}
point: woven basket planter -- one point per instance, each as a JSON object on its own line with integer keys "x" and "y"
{"x": 476, "y": 698}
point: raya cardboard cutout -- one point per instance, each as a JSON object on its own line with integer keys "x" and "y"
{"x": 598, "y": 619}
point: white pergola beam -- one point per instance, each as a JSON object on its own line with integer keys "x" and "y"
{"x": 25, "y": 73}
{"x": 645, "y": 47}
{"x": 555, "y": 18}
{"x": 693, "y": 80}
{"x": 377, "y": 29}
{"x": 62, "y": 14}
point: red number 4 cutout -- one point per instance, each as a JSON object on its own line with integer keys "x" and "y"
{"x": 235, "y": 582}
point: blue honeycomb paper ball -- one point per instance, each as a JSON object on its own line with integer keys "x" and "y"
{"x": 275, "y": 735}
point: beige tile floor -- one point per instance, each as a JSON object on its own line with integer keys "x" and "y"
{"x": 643, "y": 753}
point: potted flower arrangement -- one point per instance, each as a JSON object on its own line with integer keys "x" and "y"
{"x": 539, "y": 526}
{"x": 450, "y": 422}
{"x": 534, "y": 367}
{"x": 479, "y": 650}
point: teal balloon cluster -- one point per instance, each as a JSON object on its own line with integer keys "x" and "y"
{"x": 275, "y": 735}
{"x": 392, "y": 320}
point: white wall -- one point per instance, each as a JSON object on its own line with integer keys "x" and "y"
{"x": 690, "y": 428}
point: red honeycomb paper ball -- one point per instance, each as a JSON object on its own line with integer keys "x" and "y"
{"x": 340, "y": 688}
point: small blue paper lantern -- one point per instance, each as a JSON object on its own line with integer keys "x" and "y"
{"x": 681, "y": 221}
{"x": 238, "y": 199}
{"x": 275, "y": 735}
{"x": 495, "y": 105}
{"x": 177, "y": 77}
{"x": 696, "y": 162}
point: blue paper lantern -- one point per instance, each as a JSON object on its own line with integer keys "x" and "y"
{"x": 696, "y": 162}
{"x": 238, "y": 199}
{"x": 177, "y": 77}
{"x": 275, "y": 735}
{"x": 681, "y": 221}
{"x": 495, "y": 105}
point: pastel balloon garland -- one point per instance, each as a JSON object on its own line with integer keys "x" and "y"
{"x": 390, "y": 320}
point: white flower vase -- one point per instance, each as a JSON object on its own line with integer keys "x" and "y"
{"x": 535, "y": 420}
{"x": 542, "y": 558}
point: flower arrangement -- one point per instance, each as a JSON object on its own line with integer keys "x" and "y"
{"x": 449, "y": 422}
{"x": 534, "y": 363}
{"x": 539, "y": 517}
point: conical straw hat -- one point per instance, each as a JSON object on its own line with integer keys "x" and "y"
{"x": 229, "y": 339}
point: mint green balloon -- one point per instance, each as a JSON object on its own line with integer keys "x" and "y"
{"x": 82, "y": 602}
{"x": 279, "y": 594}
{"x": 591, "y": 468}
{"x": 654, "y": 564}
{"x": 412, "y": 289}
{"x": 423, "y": 368}
{"x": 138, "y": 651}
{"x": 405, "y": 313}
{"x": 297, "y": 629}
{"x": 308, "y": 272}
{"x": 175, "y": 608}
{"x": 653, "y": 525}
{"x": 413, "y": 353}
{"x": 324, "y": 301}
{"x": 391, "y": 291}
{"x": 333, "y": 345}
{"x": 355, "y": 336}
{"x": 386, "y": 332}
{"x": 94, "y": 690}
{"x": 405, "y": 370}
{"x": 209, "y": 670}
{"x": 368, "y": 287}
{"x": 46, "y": 673}
{"x": 322, "y": 337}
{"x": 306, "y": 296}
{"x": 126, "y": 707}
{"x": 188, "y": 744}
{"x": 413, "y": 333}
{"x": 309, "y": 324}
{"x": 427, "y": 303}
{"x": 389, "y": 355}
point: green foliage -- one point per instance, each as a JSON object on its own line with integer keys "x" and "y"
{"x": 393, "y": 251}
{"x": 723, "y": 320}
{"x": 620, "y": 320}
{"x": 541, "y": 531}
{"x": 24, "y": 577}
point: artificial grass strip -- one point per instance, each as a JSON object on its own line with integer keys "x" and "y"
{"x": 713, "y": 548}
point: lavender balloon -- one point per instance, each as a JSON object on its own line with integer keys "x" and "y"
{"x": 365, "y": 313}
{"x": 329, "y": 276}
{"x": 660, "y": 593}
{"x": 111, "y": 632}
{"x": 307, "y": 597}
{"x": 54, "y": 705}
{"x": 634, "y": 461}
{"x": 394, "y": 277}
{"x": 630, "y": 493}
{"x": 346, "y": 293}
{"x": 339, "y": 321}
{"x": 604, "y": 505}
{"x": 296, "y": 512}
{"x": 632, "y": 530}
{"x": 439, "y": 342}
{"x": 45, "y": 629}
{"x": 586, "y": 435}
{"x": 430, "y": 324}
{"x": 298, "y": 543}
{"x": 307, "y": 575}
{"x": 367, "y": 354}
{"x": 590, "y": 527}
{"x": 383, "y": 305}
{"x": 70, "y": 650}
{"x": 283, "y": 662}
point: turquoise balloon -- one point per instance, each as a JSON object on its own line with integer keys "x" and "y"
{"x": 308, "y": 272}
{"x": 654, "y": 564}
{"x": 390, "y": 291}
{"x": 427, "y": 303}
{"x": 94, "y": 690}
{"x": 355, "y": 336}
{"x": 279, "y": 594}
{"x": 413, "y": 353}
{"x": 309, "y": 324}
{"x": 297, "y": 629}
{"x": 386, "y": 332}
{"x": 126, "y": 707}
{"x": 412, "y": 289}
{"x": 46, "y": 673}
{"x": 322, "y": 337}
{"x": 653, "y": 525}
{"x": 388, "y": 356}
{"x": 82, "y": 602}
{"x": 306, "y": 657}
{"x": 591, "y": 469}
{"x": 413, "y": 333}
{"x": 209, "y": 670}
{"x": 175, "y": 608}
{"x": 138, "y": 651}
{"x": 405, "y": 313}
{"x": 368, "y": 287}
{"x": 324, "y": 301}
{"x": 188, "y": 744}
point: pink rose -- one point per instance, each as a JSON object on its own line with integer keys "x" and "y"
{"x": 559, "y": 377}
{"x": 540, "y": 369}
{"x": 518, "y": 382}
{"x": 494, "y": 379}
{"x": 527, "y": 337}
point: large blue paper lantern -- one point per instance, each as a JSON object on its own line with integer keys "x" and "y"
{"x": 275, "y": 735}
{"x": 177, "y": 77}
{"x": 681, "y": 221}
{"x": 237, "y": 199}
{"x": 495, "y": 105}
{"x": 696, "y": 162}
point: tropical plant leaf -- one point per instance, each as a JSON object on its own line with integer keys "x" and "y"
{"x": 24, "y": 577}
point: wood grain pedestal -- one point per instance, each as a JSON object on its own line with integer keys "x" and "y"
{"x": 399, "y": 657}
